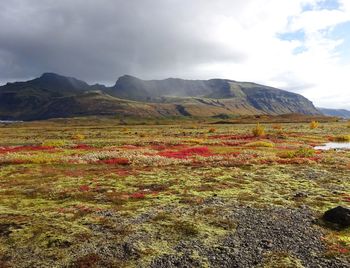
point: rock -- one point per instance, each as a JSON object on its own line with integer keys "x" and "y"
{"x": 300, "y": 195}
{"x": 266, "y": 243}
{"x": 339, "y": 215}
{"x": 129, "y": 251}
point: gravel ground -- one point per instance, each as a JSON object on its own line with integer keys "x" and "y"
{"x": 262, "y": 236}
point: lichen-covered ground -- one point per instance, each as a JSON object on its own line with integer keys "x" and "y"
{"x": 95, "y": 193}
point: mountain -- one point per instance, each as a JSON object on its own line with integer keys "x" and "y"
{"x": 237, "y": 95}
{"x": 335, "y": 112}
{"x": 25, "y": 100}
{"x": 53, "y": 95}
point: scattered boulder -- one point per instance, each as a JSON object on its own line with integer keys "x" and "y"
{"x": 339, "y": 215}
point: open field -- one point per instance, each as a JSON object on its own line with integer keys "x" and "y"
{"x": 96, "y": 193}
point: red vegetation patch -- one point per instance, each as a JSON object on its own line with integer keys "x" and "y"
{"x": 315, "y": 158}
{"x": 14, "y": 149}
{"x": 312, "y": 144}
{"x": 84, "y": 188}
{"x": 336, "y": 248}
{"x": 82, "y": 147}
{"x": 18, "y": 162}
{"x": 185, "y": 153}
{"x": 330, "y": 138}
{"x": 87, "y": 261}
{"x": 137, "y": 195}
{"x": 116, "y": 161}
{"x": 347, "y": 199}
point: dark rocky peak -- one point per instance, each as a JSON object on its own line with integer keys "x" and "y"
{"x": 127, "y": 80}
{"x": 56, "y": 81}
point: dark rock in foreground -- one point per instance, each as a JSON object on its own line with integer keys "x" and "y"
{"x": 339, "y": 215}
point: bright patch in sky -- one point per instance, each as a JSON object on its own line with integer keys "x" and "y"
{"x": 290, "y": 36}
{"x": 328, "y": 4}
{"x": 342, "y": 32}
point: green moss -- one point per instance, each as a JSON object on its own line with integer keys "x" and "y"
{"x": 281, "y": 260}
{"x": 50, "y": 212}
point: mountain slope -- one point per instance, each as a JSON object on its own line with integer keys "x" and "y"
{"x": 53, "y": 95}
{"x": 335, "y": 112}
{"x": 258, "y": 97}
{"x": 21, "y": 100}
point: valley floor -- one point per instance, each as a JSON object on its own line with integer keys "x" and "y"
{"x": 99, "y": 193}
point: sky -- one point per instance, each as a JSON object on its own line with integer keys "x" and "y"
{"x": 298, "y": 45}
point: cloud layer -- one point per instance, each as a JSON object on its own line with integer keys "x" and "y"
{"x": 289, "y": 44}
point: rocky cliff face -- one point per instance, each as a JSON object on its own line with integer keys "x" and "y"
{"x": 53, "y": 95}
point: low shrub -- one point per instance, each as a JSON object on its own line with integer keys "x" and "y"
{"x": 258, "y": 131}
{"x": 302, "y": 153}
{"x": 314, "y": 125}
{"x": 305, "y": 152}
{"x": 260, "y": 144}
{"x": 78, "y": 137}
{"x": 54, "y": 143}
{"x": 286, "y": 154}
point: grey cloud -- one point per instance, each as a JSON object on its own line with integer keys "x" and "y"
{"x": 99, "y": 40}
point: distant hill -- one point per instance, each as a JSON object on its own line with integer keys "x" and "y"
{"x": 53, "y": 95}
{"x": 335, "y": 112}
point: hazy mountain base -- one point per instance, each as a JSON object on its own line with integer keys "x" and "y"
{"x": 335, "y": 112}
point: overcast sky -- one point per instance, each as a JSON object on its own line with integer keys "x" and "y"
{"x": 297, "y": 45}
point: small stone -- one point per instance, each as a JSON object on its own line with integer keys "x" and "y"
{"x": 339, "y": 215}
{"x": 267, "y": 244}
{"x": 300, "y": 195}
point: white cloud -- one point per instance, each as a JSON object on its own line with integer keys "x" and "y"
{"x": 316, "y": 72}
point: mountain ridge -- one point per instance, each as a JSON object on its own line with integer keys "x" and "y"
{"x": 343, "y": 113}
{"x": 52, "y": 95}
